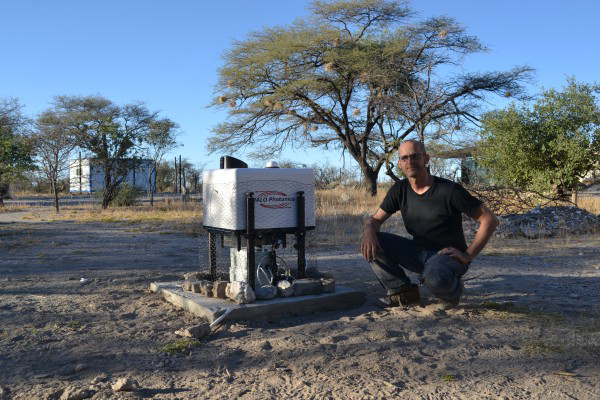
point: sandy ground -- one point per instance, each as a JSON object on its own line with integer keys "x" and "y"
{"x": 529, "y": 325}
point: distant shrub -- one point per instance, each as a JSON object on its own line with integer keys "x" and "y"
{"x": 127, "y": 195}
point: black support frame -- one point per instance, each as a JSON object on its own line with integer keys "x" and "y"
{"x": 251, "y": 234}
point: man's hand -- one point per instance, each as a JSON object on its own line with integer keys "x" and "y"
{"x": 462, "y": 256}
{"x": 370, "y": 244}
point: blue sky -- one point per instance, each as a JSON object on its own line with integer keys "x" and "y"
{"x": 166, "y": 53}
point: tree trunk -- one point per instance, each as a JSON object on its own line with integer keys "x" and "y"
{"x": 151, "y": 183}
{"x": 108, "y": 189}
{"x": 370, "y": 181}
{"x": 574, "y": 194}
{"x": 54, "y": 184}
{"x": 1, "y": 192}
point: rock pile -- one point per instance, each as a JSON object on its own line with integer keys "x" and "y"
{"x": 548, "y": 222}
{"x": 242, "y": 293}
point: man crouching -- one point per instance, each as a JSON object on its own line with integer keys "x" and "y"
{"x": 432, "y": 210}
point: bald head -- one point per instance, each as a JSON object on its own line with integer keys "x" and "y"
{"x": 414, "y": 142}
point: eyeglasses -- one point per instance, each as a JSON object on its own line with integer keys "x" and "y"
{"x": 413, "y": 157}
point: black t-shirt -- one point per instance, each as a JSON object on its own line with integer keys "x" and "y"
{"x": 433, "y": 218}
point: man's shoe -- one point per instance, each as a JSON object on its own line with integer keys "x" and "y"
{"x": 410, "y": 297}
{"x": 389, "y": 301}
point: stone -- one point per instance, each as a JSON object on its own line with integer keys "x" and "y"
{"x": 327, "y": 285}
{"x": 219, "y": 289}
{"x": 240, "y": 292}
{"x": 266, "y": 292}
{"x": 187, "y": 286}
{"x": 266, "y": 346}
{"x": 206, "y": 288}
{"x": 285, "y": 289}
{"x": 66, "y": 370}
{"x": 548, "y": 221}
{"x": 196, "y": 287}
{"x": 191, "y": 276}
{"x": 306, "y": 286}
{"x": 76, "y": 393}
{"x": 99, "y": 379}
{"x": 125, "y": 385}
{"x": 312, "y": 272}
{"x": 197, "y": 331}
{"x": 80, "y": 367}
{"x": 53, "y": 393}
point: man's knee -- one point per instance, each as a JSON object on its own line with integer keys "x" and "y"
{"x": 442, "y": 276}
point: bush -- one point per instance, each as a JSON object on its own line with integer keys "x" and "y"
{"x": 127, "y": 195}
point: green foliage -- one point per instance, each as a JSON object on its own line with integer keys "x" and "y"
{"x": 112, "y": 134}
{"x": 16, "y": 154}
{"x": 179, "y": 345}
{"x": 548, "y": 146}
{"x": 127, "y": 195}
{"x": 356, "y": 76}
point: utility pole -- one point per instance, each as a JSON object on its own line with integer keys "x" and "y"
{"x": 175, "y": 181}
{"x": 80, "y": 172}
{"x": 180, "y": 172}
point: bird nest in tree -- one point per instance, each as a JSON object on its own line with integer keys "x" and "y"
{"x": 222, "y": 99}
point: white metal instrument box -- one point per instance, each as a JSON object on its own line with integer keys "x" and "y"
{"x": 275, "y": 193}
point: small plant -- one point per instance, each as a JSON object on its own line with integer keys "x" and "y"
{"x": 449, "y": 378}
{"x": 179, "y": 345}
{"x": 510, "y": 307}
{"x": 532, "y": 348}
{"x": 74, "y": 325}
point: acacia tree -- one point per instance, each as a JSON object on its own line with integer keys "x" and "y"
{"x": 160, "y": 139}
{"x": 357, "y": 76}
{"x": 53, "y": 144}
{"x": 547, "y": 147}
{"x": 15, "y": 150}
{"x": 112, "y": 134}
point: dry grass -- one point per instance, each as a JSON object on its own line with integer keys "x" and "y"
{"x": 11, "y": 208}
{"x": 590, "y": 204}
{"x": 161, "y": 212}
{"x": 340, "y": 213}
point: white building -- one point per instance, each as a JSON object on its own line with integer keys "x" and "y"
{"x": 86, "y": 175}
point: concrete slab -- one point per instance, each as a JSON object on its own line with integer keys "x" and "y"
{"x": 211, "y": 308}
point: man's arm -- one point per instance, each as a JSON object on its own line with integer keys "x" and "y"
{"x": 487, "y": 225}
{"x": 370, "y": 244}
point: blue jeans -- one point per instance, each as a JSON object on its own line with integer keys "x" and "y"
{"x": 439, "y": 272}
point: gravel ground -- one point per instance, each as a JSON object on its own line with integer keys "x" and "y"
{"x": 529, "y": 325}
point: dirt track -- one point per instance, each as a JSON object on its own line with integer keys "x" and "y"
{"x": 57, "y": 332}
